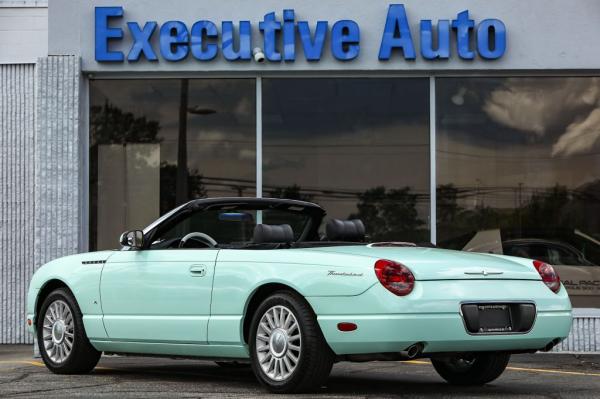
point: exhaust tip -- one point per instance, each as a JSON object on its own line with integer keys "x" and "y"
{"x": 414, "y": 350}
{"x": 551, "y": 344}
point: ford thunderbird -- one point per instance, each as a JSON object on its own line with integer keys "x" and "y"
{"x": 268, "y": 284}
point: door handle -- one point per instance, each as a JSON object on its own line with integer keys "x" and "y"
{"x": 198, "y": 270}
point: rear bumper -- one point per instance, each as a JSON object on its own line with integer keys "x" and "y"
{"x": 430, "y": 315}
{"x": 438, "y": 332}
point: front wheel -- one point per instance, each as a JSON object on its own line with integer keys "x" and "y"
{"x": 287, "y": 349}
{"x": 476, "y": 369}
{"x": 63, "y": 344}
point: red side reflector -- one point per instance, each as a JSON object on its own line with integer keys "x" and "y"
{"x": 347, "y": 327}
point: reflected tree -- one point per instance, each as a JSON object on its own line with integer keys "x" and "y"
{"x": 290, "y": 192}
{"x": 548, "y": 209}
{"x": 586, "y": 200}
{"x": 554, "y": 214}
{"x": 390, "y": 215}
{"x": 168, "y": 183}
{"x": 111, "y": 125}
{"x": 447, "y": 204}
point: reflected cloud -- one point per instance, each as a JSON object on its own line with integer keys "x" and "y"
{"x": 563, "y": 110}
{"x": 540, "y": 105}
{"x": 244, "y": 107}
{"x": 147, "y": 155}
{"x": 580, "y": 136}
{"x": 247, "y": 154}
{"x": 273, "y": 163}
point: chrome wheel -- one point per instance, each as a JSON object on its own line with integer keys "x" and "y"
{"x": 58, "y": 331}
{"x": 278, "y": 343}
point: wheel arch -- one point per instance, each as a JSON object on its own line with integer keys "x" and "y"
{"x": 46, "y": 289}
{"x": 259, "y": 295}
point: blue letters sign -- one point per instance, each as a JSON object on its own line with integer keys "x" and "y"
{"x": 174, "y": 41}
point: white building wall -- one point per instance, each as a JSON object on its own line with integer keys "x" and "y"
{"x": 23, "y": 31}
{"x": 542, "y": 35}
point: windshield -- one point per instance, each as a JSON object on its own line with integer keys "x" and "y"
{"x": 230, "y": 223}
{"x": 234, "y": 227}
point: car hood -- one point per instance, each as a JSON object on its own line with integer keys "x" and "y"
{"x": 441, "y": 264}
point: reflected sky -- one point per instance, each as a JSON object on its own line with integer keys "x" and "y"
{"x": 347, "y": 135}
{"x": 522, "y": 157}
{"x": 500, "y": 140}
{"x": 334, "y": 138}
{"x": 221, "y": 144}
{"x": 534, "y": 132}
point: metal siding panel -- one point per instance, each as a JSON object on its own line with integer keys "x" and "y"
{"x": 584, "y": 336}
{"x": 57, "y": 153}
{"x": 39, "y": 178}
{"x": 16, "y": 200}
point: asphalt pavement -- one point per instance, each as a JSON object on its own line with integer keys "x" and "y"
{"x": 528, "y": 376}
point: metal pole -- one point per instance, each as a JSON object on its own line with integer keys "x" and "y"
{"x": 181, "y": 188}
{"x": 259, "y": 180}
{"x": 432, "y": 163}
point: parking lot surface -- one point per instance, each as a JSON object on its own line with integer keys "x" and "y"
{"x": 528, "y": 376}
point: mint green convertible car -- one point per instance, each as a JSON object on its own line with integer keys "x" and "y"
{"x": 252, "y": 281}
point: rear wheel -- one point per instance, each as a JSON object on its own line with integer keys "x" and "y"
{"x": 477, "y": 369}
{"x": 63, "y": 344}
{"x": 287, "y": 349}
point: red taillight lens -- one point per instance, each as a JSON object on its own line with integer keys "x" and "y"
{"x": 395, "y": 277}
{"x": 549, "y": 275}
{"x": 346, "y": 327}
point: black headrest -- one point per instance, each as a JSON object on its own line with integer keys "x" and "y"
{"x": 345, "y": 230}
{"x": 265, "y": 233}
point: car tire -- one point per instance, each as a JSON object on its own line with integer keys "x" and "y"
{"x": 477, "y": 369}
{"x": 294, "y": 334}
{"x": 61, "y": 336}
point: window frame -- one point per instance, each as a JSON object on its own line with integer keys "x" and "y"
{"x": 431, "y": 75}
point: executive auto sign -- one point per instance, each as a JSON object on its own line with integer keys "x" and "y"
{"x": 204, "y": 41}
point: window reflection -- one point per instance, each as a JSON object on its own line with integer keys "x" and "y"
{"x": 357, "y": 147}
{"x": 518, "y": 171}
{"x": 157, "y": 143}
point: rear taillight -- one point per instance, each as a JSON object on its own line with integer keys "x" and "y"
{"x": 395, "y": 277}
{"x": 549, "y": 275}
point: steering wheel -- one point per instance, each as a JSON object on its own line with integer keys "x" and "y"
{"x": 203, "y": 238}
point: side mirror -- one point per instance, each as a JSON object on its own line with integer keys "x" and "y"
{"x": 133, "y": 239}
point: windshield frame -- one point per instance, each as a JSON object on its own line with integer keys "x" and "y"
{"x": 313, "y": 211}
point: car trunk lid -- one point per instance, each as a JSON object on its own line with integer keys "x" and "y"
{"x": 440, "y": 264}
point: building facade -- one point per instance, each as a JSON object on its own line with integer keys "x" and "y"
{"x": 474, "y": 125}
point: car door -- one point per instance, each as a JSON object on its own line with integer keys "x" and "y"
{"x": 160, "y": 294}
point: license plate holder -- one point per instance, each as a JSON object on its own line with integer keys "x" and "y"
{"x": 488, "y": 318}
{"x": 494, "y": 318}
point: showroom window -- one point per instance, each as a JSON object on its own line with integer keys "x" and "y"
{"x": 157, "y": 143}
{"x": 518, "y": 167}
{"x": 359, "y": 147}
